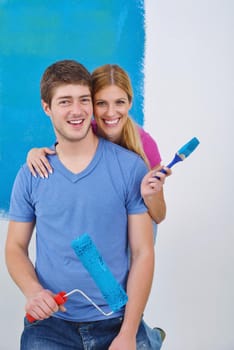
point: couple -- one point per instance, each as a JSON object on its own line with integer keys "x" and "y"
{"x": 96, "y": 188}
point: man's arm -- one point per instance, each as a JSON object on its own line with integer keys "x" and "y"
{"x": 40, "y": 303}
{"x": 139, "y": 280}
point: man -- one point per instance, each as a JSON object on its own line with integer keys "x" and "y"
{"x": 95, "y": 188}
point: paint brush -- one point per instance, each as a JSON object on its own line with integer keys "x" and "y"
{"x": 183, "y": 153}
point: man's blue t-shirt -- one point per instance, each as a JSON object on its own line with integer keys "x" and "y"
{"x": 96, "y": 201}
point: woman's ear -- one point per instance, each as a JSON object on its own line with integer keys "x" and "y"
{"x": 130, "y": 105}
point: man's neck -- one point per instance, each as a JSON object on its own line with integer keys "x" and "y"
{"x": 76, "y": 156}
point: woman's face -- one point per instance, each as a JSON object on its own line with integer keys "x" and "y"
{"x": 111, "y": 107}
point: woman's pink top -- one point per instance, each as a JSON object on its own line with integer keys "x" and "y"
{"x": 149, "y": 145}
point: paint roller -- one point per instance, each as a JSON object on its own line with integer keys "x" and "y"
{"x": 90, "y": 257}
{"x": 92, "y": 260}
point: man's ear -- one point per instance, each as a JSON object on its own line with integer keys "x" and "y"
{"x": 46, "y": 108}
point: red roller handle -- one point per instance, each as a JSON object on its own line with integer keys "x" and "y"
{"x": 60, "y": 299}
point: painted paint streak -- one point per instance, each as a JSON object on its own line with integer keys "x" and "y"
{"x": 35, "y": 34}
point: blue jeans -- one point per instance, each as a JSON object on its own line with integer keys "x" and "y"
{"x": 57, "y": 334}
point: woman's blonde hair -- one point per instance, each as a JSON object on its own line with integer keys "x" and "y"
{"x": 112, "y": 74}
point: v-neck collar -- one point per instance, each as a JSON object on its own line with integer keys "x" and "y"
{"x": 58, "y": 165}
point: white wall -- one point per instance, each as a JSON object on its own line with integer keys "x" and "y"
{"x": 11, "y": 302}
{"x": 188, "y": 92}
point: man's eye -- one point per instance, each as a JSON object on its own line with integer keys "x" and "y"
{"x": 63, "y": 102}
{"x": 86, "y": 100}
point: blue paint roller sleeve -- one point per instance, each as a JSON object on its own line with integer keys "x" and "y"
{"x": 91, "y": 259}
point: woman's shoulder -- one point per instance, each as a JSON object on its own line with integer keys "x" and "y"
{"x": 144, "y": 135}
{"x": 150, "y": 147}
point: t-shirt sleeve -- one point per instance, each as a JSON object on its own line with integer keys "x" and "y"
{"x": 21, "y": 208}
{"x": 150, "y": 148}
{"x": 134, "y": 202}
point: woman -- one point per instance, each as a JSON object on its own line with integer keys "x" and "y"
{"x": 112, "y": 100}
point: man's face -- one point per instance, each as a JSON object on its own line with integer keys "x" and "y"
{"x": 70, "y": 111}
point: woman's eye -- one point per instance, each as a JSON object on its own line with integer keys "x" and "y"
{"x": 120, "y": 102}
{"x": 100, "y": 103}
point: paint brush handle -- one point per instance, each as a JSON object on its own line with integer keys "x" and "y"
{"x": 60, "y": 299}
{"x": 175, "y": 160}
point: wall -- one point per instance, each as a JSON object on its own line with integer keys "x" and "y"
{"x": 188, "y": 92}
{"x": 32, "y": 36}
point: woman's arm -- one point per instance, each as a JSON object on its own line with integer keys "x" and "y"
{"x": 38, "y": 162}
{"x": 153, "y": 195}
{"x": 152, "y": 188}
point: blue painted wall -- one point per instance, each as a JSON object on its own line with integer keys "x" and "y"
{"x": 34, "y": 34}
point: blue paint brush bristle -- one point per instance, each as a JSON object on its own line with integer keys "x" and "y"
{"x": 184, "y": 151}
{"x": 91, "y": 259}
{"x": 188, "y": 148}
